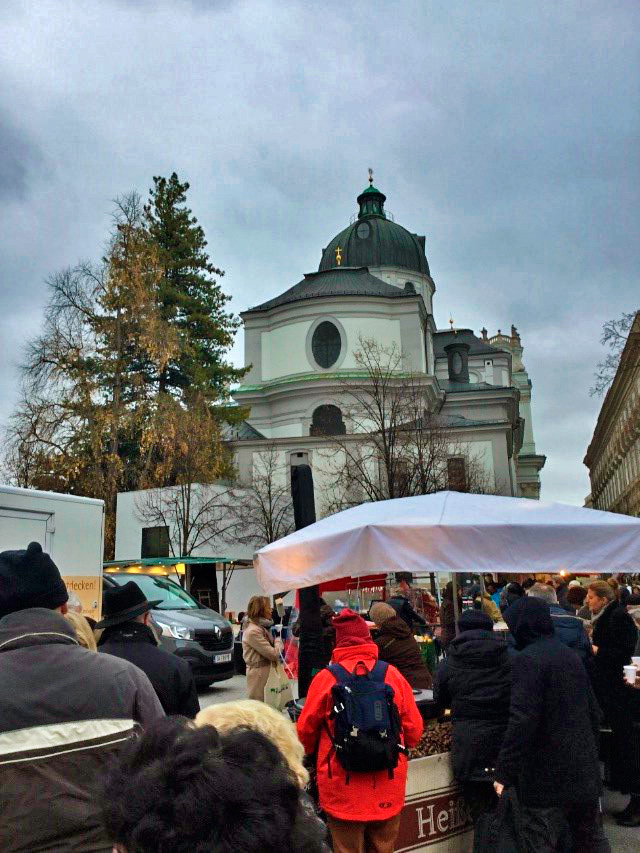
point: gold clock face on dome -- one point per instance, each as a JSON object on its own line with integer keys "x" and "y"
{"x": 363, "y": 230}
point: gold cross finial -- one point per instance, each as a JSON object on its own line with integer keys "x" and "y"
{"x": 451, "y": 323}
{"x": 370, "y": 177}
{"x": 338, "y": 255}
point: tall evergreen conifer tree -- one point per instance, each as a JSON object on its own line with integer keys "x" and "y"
{"x": 191, "y": 299}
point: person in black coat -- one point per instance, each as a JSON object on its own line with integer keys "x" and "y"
{"x": 127, "y": 635}
{"x": 474, "y": 680}
{"x": 549, "y": 752}
{"x": 328, "y": 631}
{"x": 614, "y": 639}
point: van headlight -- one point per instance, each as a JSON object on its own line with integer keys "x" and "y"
{"x": 178, "y": 632}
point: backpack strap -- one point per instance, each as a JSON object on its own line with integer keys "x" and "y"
{"x": 340, "y": 674}
{"x": 379, "y": 671}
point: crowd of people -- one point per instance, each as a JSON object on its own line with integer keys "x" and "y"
{"x": 103, "y": 746}
{"x": 530, "y": 714}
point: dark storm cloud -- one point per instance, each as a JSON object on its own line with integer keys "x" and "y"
{"x": 19, "y": 158}
{"x": 507, "y": 133}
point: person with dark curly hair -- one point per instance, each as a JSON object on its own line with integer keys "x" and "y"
{"x": 181, "y": 789}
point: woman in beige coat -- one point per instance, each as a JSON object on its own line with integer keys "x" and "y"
{"x": 258, "y": 648}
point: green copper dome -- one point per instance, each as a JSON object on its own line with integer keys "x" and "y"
{"x": 373, "y": 240}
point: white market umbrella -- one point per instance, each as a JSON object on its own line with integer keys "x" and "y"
{"x": 451, "y": 532}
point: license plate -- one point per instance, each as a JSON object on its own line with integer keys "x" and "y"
{"x": 222, "y": 658}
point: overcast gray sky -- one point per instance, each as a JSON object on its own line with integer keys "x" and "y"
{"x": 507, "y": 132}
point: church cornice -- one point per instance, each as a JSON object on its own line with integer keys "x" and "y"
{"x": 310, "y": 441}
{"x": 322, "y": 379}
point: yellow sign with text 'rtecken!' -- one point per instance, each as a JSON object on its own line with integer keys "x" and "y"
{"x": 88, "y": 589}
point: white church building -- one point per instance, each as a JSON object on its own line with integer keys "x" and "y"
{"x": 373, "y": 283}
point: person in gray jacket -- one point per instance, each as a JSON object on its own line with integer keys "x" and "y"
{"x": 567, "y": 628}
{"x": 64, "y": 712}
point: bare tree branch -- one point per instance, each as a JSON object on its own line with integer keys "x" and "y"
{"x": 397, "y": 445}
{"x": 262, "y": 508}
{"x": 195, "y": 515}
{"x": 614, "y": 336}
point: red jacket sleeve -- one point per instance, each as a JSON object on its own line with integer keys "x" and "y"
{"x": 410, "y": 716}
{"x": 315, "y": 711}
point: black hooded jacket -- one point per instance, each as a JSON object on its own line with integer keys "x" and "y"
{"x": 474, "y": 680}
{"x": 550, "y": 748}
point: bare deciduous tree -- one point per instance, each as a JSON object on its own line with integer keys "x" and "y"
{"x": 614, "y": 337}
{"x": 397, "y": 444}
{"x": 263, "y": 507}
{"x": 195, "y": 515}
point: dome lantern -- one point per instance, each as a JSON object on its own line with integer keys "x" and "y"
{"x": 371, "y": 200}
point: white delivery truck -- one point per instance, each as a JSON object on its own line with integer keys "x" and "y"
{"x": 69, "y": 528}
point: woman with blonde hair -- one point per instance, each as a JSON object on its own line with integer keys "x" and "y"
{"x": 258, "y": 649}
{"x": 84, "y": 634}
{"x": 249, "y": 714}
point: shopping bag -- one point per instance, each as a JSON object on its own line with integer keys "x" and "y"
{"x": 499, "y": 830}
{"x": 277, "y": 690}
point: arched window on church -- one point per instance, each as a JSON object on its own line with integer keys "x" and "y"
{"x": 327, "y": 420}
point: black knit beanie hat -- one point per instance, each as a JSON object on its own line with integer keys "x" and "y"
{"x": 30, "y": 579}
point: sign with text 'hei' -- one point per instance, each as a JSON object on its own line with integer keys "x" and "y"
{"x": 432, "y": 818}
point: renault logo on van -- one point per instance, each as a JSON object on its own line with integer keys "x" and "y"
{"x": 217, "y": 632}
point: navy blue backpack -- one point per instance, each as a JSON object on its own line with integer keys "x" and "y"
{"x": 367, "y": 723}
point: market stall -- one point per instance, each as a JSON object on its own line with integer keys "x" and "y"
{"x": 448, "y": 532}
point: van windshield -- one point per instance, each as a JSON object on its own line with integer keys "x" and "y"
{"x": 155, "y": 587}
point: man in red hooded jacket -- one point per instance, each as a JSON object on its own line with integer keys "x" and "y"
{"x": 363, "y": 809}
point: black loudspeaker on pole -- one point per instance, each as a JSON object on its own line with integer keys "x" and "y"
{"x": 311, "y": 656}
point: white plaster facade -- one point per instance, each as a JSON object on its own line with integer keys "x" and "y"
{"x": 391, "y": 303}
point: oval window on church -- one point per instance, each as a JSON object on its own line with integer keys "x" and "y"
{"x": 326, "y": 344}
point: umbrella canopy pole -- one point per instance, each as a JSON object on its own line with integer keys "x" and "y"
{"x": 311, "y": 656}
{"x": 456, "y": 609}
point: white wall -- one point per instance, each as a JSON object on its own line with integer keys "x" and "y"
{"x": 284, "y": 349}
{"x": 129, "y": 526}
{"x": 69, "y": 528}
{"x": 385, "y": 332}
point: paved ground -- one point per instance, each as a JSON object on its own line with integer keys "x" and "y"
{"x": 223, "y": 691}
{"x": 622, "y": 840}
